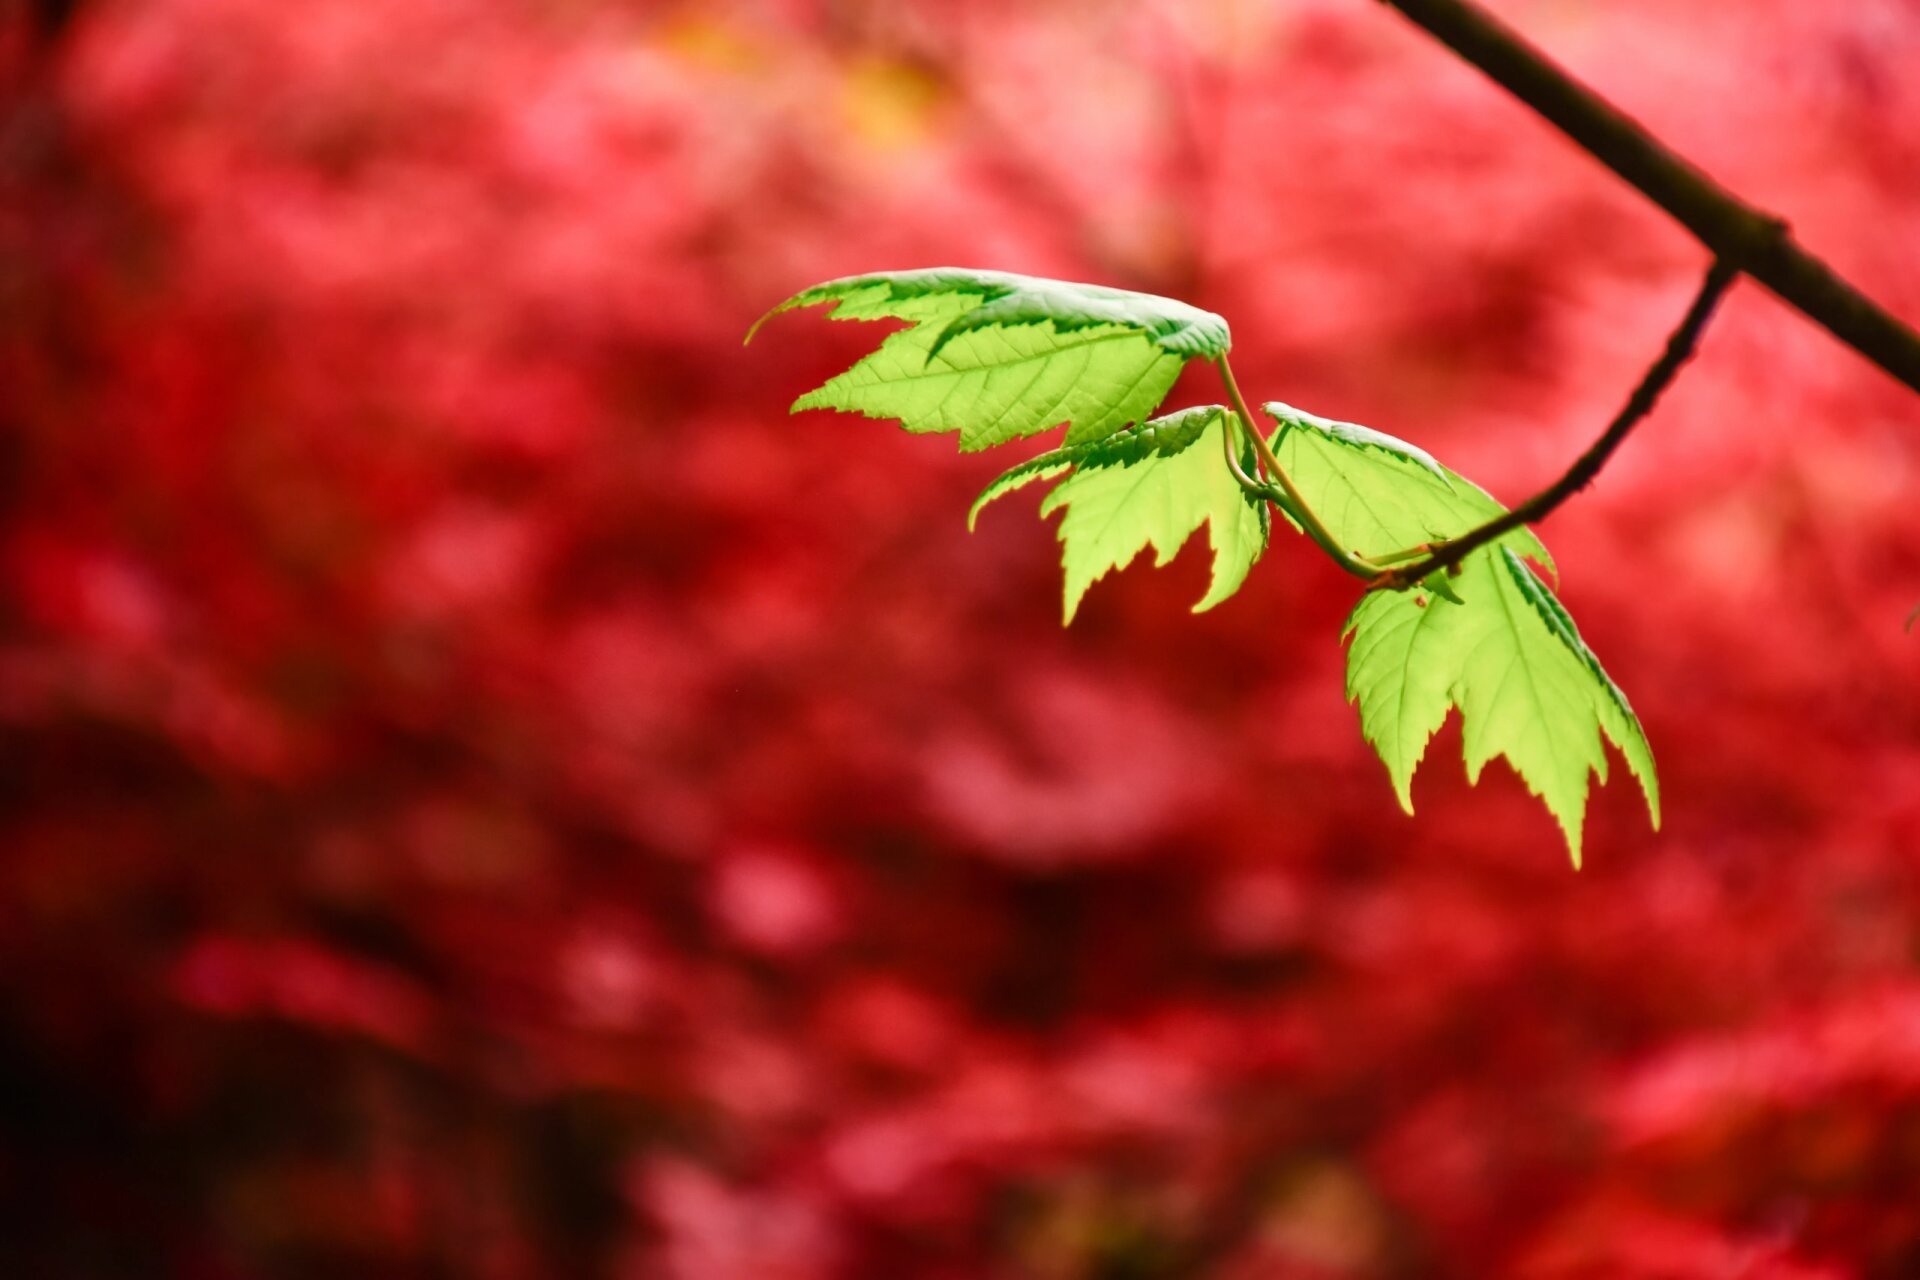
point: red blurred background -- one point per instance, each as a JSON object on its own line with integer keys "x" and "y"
{"x": 486, "y": 794}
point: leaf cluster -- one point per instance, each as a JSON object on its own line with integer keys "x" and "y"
{"x": 997, "y": 357}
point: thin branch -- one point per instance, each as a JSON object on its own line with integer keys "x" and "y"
{"x": 1293, "y": 502}
{"x": 1679, "y": 350}
{"x": 1756, "y": 242}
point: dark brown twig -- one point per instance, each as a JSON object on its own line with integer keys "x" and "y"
{"x": 1753, "y": 241}
{"x": 1680, "y": 345}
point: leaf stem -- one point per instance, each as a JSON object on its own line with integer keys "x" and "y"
{"x": 1413, "y": 566}
{"x": 1247, "y": 482}
{"x": 1401, "y": 557}
{"x": 1289, "y": 497}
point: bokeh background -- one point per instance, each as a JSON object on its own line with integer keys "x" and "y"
{"x": 484, "y": 793}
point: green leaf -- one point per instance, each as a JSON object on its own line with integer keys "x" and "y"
{"x": 1152, "y": 486}
{"x": 1377, "y": 494}
{"x": 997, "y": 356}
{"x": 1510, "y": 658}
{"x": 1169, "y": 434}
{"x": 1491, "y": 640}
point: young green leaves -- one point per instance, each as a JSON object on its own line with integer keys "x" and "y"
{"x": 997, "y": 357}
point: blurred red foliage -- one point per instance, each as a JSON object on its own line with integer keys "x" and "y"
{"x": 484, "y": 794}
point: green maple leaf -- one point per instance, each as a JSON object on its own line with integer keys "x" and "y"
{"x": 1376, "y": 493}
{"x": 997, "y": 356}
{"x": 1150, "y": 487}
{"x": 1492, "y": 641}
{"x": 1527, "y": 686}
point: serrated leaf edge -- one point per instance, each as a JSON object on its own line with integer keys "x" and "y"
{"x": 1008, "y": 299}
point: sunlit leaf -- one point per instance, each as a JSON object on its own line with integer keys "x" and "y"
{"x": 1510, "y": 658}
{"x": 1150, "y": 487}
{"x": 996, "y": 356}
{"x": 1378, "y": 494}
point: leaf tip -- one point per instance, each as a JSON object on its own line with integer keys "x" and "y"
{"x": 1217, "y": 594}
{"x": 1572, "y": 826}
{"x": 1072, "y": 590}
{"x": 1400, "y": 771}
